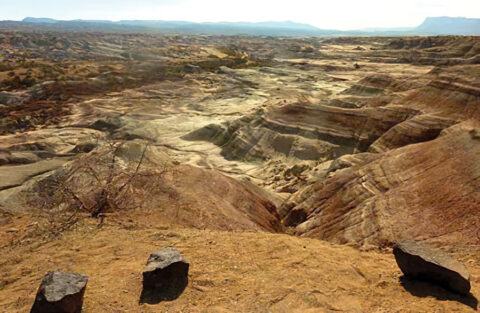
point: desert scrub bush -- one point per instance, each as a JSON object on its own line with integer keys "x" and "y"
{"x": 175, "y": 71}
{"x": 110, "y": 179}
{"x": 230, "y": 51}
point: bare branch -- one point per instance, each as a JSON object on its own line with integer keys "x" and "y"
{"x": 115, "y": 149}
{"x": 136, "y": 169}
{"x": 75, "y": 197}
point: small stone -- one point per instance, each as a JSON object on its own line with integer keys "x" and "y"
{"x": 165, "y": 276}
{"x": 60, "y": 293}
{"x": 420, "y": 261}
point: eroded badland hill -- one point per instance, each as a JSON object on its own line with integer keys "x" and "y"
{"x": 283, "y": 169}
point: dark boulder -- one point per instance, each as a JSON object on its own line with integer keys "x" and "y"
{"x": 165, "y": 277}
{"x": 60, "y": 293}
{"x": 423, "y": 262}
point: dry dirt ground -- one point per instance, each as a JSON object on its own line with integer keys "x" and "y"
{"x": 230, "y": 271}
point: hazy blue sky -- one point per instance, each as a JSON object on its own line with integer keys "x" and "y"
{"x": 334, "y": 14}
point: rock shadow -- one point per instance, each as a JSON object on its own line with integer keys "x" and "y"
{"x": 171, "y": 288}
{"x": 422, "y": 289}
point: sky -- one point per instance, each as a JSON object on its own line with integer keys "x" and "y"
{"x": 327, "y": 14}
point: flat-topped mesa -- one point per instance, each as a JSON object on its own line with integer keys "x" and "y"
{"x": 420, "y": 261}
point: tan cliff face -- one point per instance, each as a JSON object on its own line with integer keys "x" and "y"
{"x": 425, "y": 191}
{"x": 216, "y": 145}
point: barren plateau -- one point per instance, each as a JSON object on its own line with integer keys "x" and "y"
{"x": 283, "y": 169}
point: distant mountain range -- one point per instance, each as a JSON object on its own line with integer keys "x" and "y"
{"x": 431, "y": 26}
{"x": 450, "y": 26}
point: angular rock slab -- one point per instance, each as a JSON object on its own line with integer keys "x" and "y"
{"x": 165, "y": 276}
{"x": 422, "y": 262}
{"x": 60, "y": 292}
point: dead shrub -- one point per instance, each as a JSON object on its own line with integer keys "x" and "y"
{"x": 98, "y": 183}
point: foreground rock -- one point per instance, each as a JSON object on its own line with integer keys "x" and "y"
{"x": 165, "y": 276}
{"x": 60, "y": 293}
{"x": 420, "y": 261}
